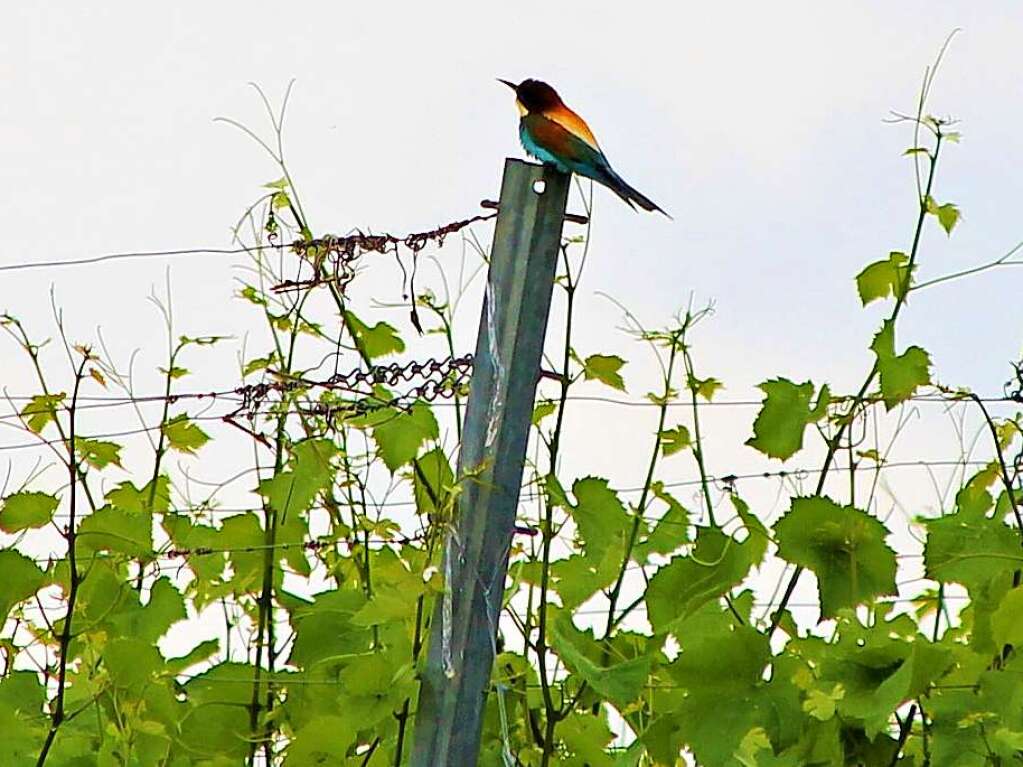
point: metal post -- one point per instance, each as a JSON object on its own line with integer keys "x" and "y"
{"x": 505, "y": 373}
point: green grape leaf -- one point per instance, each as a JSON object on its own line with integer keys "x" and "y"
{"x": 877, "y": 672}
{"x": 400, "y": 434}
{"x": 901, "y": 374}
{"x": 131, "y": 662}
{"x": 681, "y": 587}
{"x": 324, "y": 739}
{"x": 1007, "y": 621}
{"x": 556, "y": 495}
{"x": 843, "y": 546}
{"x": 543, "y": 409}
{"x": 604, "y": 368}
{"x": 174, "y": 372}
{"x": 151, "y": 622}
{"x": 21, "y": 579}
{"x": 25, "y": 510}
{"x": 599, "y": 515}
{"x": 662, "y": 740}
{"x": 885, "y": 278}
{"x": 587, "y": 737}
{"x": 280, "y": 200}
{"x": 183, "y": 435}
{"x": 719, "y": 659}
{"x": 324, "y": 626}
{"x": 259, "y": 363}
{"x": 113, "y": 529}
{"x": 252, "y": 295}
{"x": 974, "y": 497}
{"x": 187, "y": 535}
{"x": 216, "y": 725}
{"x": 674, "y": 440}
{"x": 668, "y": 533}
{"x": 948, "y": 215}
{"x": 757, "y": 535}
{"x": 432, "y": 480}
{"x": 579, "y": 577}
{"x": 704, "y": 387}
{"x": 376, "y": 341}
{"x": 784, "y": 416}
{"x": 310, "y": 470}
{"x": 753, "y": 742}
{"x": 103, "y": 594}
{"x": 22, "y": 697}
{"x": 280, "y": 184}
{"x": 969, "y": 548}
{"x": 822, "y": 705}
{"x": 41, "y": 410}
{"x": 201, "y": 653}
{"x": 1007, "y": 743}
{"x": 98, "y": 453}
{"x": 387, "y": 605}
{"x": 622, "y": 683}
{"x": 244, "y": 536}
{"x": 153, "y": 498}
{"x": 381, "y": 675}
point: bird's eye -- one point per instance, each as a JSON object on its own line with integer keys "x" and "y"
{"x": 540, "y": 186}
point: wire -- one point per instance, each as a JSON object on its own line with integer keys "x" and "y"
{"x": 136, "y": 254}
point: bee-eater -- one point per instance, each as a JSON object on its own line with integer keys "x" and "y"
{"x": 555, "y": 135}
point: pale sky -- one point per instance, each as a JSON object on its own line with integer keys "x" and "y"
{"x": 759, "y": 127}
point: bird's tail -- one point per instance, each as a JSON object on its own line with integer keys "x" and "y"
{"x": 617, "y": 184}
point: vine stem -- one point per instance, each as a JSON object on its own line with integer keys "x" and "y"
{"x": 1004, "y": 260}
{"x": 74, "y": 578}
{"x": 676, "y": 339}
{"x": 925, "y": 729}
{"x": 22, "y": 339}
{"x": 905, "y": 727}
{"x": 698, "y": 441}
{"x": 857, "y": 401}
{"x": 1004, "y": 470}
{"x": 161, "y": 444}
{"x": 552, "y": 712}
{"x": 265, "y": 629}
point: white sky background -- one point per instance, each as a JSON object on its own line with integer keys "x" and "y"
{"x": 758, "y": 127}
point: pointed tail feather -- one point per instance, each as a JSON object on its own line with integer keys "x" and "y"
{"x": 617, "y": 184}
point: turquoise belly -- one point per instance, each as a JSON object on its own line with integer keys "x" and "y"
{"x": 535, "y": 150}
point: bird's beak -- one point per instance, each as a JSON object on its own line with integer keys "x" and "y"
{"x": 511, "y": 85}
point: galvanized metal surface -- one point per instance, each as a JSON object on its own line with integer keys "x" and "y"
{"x": 509, "y": 346}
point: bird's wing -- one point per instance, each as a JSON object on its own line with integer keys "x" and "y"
{"x": 552, "y": 143}
{"x": 571, "y": 151}
{"x": 573, "y": 123}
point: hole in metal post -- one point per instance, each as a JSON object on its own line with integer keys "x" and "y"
{"x": 539, "y": 186}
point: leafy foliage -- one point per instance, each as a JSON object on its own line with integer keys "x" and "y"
{"x": 901, "y": 374}
{"x": 25, "y": 510}
{"x": 778, "y": 430}
{"x": 882, "y": 279}
{"x": 183, "y": 435}
{"x": 605, "y": 368}
{"x": 635, "y": 609}
{"x": 948, "y": 214}
{"x": 843, "y": 546}
{"x": 675, "y": 440}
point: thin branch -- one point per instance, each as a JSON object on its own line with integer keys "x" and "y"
{"x": 74, "y": 577}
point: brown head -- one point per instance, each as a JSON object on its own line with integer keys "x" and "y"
{"x": 534, "y": 96}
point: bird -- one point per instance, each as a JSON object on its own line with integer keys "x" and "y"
{"x": 557, "y": 136}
